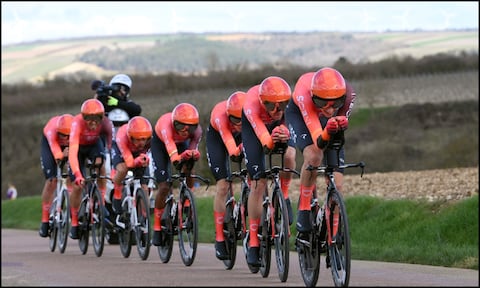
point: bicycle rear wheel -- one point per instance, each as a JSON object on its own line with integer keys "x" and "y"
{"x": 52, "y": 243}
{"x": 265, "y": 243}
{"x": 339, "y": 249}
{"x": 98, "y": 222}
{"x": 229, "y": 234}
{"x": 281, "y": 240}
{"x": 187, "y": 227}
{"x": 63, "y": 221}
{"x": 142, "y": 228}
{"x": 167, "y": 233}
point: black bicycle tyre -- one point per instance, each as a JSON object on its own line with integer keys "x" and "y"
{"x": 281, "y": 240}
{"x": 64, "y": 222}
{"x": 165, "y": 251}
{"x": 309, "y": 256}
{"x": 229, "y": 234}
{"x": 143, "y": 230}
{"x": 83, "y": 224}
{"x": 339, "y": 252}
{"x": 188, "y": 233}
{"x": 124, "y": 237}
{"x": 265, "y": 244}
{"x": 52, "y": 243}
{"x": 98, "y": 223}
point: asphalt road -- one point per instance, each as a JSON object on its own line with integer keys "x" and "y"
{"x": 27, "y": 261}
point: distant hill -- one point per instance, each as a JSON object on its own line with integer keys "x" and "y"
{"x": 198, "y": 53}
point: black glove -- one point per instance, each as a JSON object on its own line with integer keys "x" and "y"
{"x": 236, "y": 158}
{"x": 322, "y": 144}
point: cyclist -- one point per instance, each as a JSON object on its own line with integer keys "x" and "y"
{"x": 263, "y": 126}
{"x": 129, "y": 151}
{"x": 85, "y": 142}
{"x": 321, "y": 104}
{"x": 175, "y": 138}
{"x": 53, "y": 150}
{"x": 223, "y": 140}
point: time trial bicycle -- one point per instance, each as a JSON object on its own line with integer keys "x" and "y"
{"x": 59, "y": 219}
{"x": 274, "y": 229}
{"x": 330, "y": 231}
{"x": 235, "y": 220}
{"x": 180, "y": 217}
{"x": 134, "y": 223}
{"x": 91, "y": 214}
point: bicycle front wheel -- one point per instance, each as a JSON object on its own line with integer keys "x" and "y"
{"x": 229, "y": 234}
{"x": 84, "y": 224}
{"x": 63, "y": 221}
{"x": 281, "y": 232}
{"x": 142, "y": 227}
{"x": 98, "y": 222}
{"x": 265, "y": 241}
{"x": 167, "y": 233}
{"x": 52, "y": 243}
{"x": 187, "y": 227}
{"x": 339, "y": 248}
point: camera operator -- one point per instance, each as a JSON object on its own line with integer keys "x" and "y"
{"x": 115, "y": 99}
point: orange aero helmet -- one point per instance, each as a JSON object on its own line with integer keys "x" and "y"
{"x": 185, "y": 113}
{"x": 274, "y": 89}
{"x": 139, "y": 127}
{"x": 64, "y": 123}
{"x": 92, "y": 107}
{"x": 235, "y": 104}
{"x": 328, "y": 83}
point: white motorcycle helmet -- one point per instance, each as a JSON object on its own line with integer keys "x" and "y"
{"x": 118, "y": 117}
{"x": 121, "y": 79}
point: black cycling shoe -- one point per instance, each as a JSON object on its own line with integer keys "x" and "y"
{"x": 43, "y": 232}
{"x": 252, "y": 257}
{"x": 304, "y": 223}
{"x": 74, "y": 232}
{"x": 157, "y": 239}
{"x": 221, "y": 250}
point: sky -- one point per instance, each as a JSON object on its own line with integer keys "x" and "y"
{"x": 27, "y": 21}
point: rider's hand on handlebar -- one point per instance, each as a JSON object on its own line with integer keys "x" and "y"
{"x": 195, "y": 154}
{"x": 342, "y": 122}
{"x": 332, "y": 126}
{"x": 176, "y": 158}
{"x": 280, "y": 134}
{"x": 141, "y": 161}
{"x": 79, "y": 181}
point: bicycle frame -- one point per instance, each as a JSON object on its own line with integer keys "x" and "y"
{"x": 134, "y": 195}
{"x": 60, "y": 211}
{"x": 177, "y": 221}
{"x": 275, "y": 218}
{"x": 92, "y": 213}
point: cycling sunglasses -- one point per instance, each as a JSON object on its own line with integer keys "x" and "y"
{"x": 180, "y": 127}
{"x": 235, "y": 120}
{"x": 271, "y": 105}
{"x": 63, "y": 136}
{"x": 93, "y": 117}
{"x": 324, "y": 103}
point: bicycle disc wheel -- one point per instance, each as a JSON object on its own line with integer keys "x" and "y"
{"x": 52, "y": 243}
{"x": 98, "y": 223}
{"x": 167, "y": 233}
{"x": 309, "y": 260}
{"x": 339, "y": 251}
{"x": 229, "y": 234}
{"x": 265, "y": 244}
{"x": 281, "y": 240}
{"x": 124, "y": 236}
{"x": 63, "y": 222}
{"x": 142, "y": 229}
{"x": 83, "y": 224}
{"x": 187, "y": 227}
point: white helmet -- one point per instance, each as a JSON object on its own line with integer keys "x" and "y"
{"x": 121, "y": 79}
